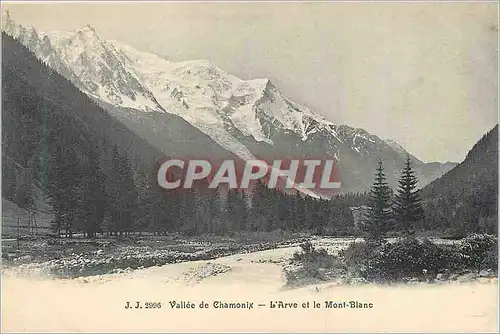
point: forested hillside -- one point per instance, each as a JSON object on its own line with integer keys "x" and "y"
{"x": 66, "y": 144}
{"x": 465, "y": 199}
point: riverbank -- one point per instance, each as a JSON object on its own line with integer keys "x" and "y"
{"x": 97, "y": 303}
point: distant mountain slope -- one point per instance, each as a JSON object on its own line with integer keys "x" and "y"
{"x": 248, "y": 118}
{"x": 466, "y": 197}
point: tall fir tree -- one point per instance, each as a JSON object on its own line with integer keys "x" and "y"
{"x": 235, "y": 210}
{"x": 64, "y": 188}
{"x": 214, "y": 211}
{"x": 156, "y": 204}
{"x": 407, "y": 207}
{"x": 112, "y": 186}
{"x": 128, "y": 196}
{"x": 24, "y": 197}
{"x": 92, "y": 197}
{"x": 377, "y": 220}
{"x": 122, "y": 195}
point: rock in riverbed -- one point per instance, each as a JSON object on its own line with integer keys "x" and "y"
{"x": 203, "y": 271}
{"x": 467, "y": 277}
{"x": 487, "y": 273}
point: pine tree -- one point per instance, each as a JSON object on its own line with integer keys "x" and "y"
{"x": 23, "y": 195}
{"x": 122, "y": 195}
{"x": 407, "y": 206}
{"x": 377, "y": 219}
{"x": 156, "y": 204}
{"x": 186, "y": 215}
{"x": 64, "y": 188}
{"x": 127, "y": 197}
{"x": 112, "y": 186}
{"x": 259, "y": 210}
{"x": 214, "y": 211}
{"x": 93, "y": 199}
{"x": 235, "y": 210}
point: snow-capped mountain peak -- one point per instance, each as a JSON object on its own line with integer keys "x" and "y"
{"x": 7, "y": 23}
{"x": 231, "y": 111}
{"x": 88, "y": 30}
{"x": 197, "y": 90}
{"x": 90, "y": 62}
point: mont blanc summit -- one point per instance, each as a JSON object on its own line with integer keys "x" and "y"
{"x": 248, "y": 118}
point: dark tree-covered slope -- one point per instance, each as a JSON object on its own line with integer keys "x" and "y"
{"x": 465, "y": 198}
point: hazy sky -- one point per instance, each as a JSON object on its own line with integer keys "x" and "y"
{"x": 424, "y": 74}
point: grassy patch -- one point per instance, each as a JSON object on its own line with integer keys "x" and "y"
{"x": 402, "y": 260}
{"x": 312, "y": 265}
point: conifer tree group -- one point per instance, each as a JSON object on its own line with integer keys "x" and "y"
{"x": 401, "y": 212}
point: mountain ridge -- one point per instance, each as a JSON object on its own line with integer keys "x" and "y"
{"x": 235, "y": 113}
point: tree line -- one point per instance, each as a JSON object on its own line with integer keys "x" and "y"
{"x": 95, "y": 193}
{"x": 105, "y": 198}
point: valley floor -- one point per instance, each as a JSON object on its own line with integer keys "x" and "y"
{"x": 97, "y": 303}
